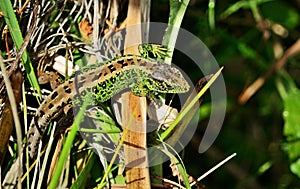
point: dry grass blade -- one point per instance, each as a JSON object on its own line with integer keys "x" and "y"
{"x": 6, "y": 124}
{"x": 15, "y": 116}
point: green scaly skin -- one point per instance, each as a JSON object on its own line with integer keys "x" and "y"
{"x": 143, "y": 76}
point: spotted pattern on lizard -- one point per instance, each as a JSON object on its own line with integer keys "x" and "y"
{"x": 143, "y": 76}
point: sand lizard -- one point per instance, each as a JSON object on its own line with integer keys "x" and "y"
{"x": 143, "y": 76}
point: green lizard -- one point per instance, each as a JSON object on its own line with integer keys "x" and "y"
{"x": 143, "y": 76}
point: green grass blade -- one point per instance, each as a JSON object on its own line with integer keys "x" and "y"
{"x": 176, "y": 161}
{"x": 82, "y": 178}
{"x": 177, "y": 10}
{"x": 186, "y": 110}
{"x": 240, "y": 5}
{"x": 182, "y": 172}
{"x": 15, "y": 32}
{"x": 67, "y": 146}
{"x": 125, "y": 132}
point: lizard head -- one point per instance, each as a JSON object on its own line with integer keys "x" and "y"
{"x": 168, "y": 79}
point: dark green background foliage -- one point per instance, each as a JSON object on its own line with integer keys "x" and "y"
{"x": 256, "y": 130}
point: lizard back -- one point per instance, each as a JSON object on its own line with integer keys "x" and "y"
{"x": 142, "y": 75}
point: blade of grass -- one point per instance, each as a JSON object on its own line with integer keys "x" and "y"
{"x": 14, "y": 110}
{"x": 182, "y": 172}
{"x": 239, "y": 5}
{"x": 191, "y": 115}
{"x": 181, "y": 114}
{"x": 67, "y": 146}
{"x": 125, "y": 132}
{"x": 15, "y": 32}
{"x": 45, "y": 161}
{"x": 176, "y": 161}
{"x": 177, "y": 11}
{"x": 82, "y": 178}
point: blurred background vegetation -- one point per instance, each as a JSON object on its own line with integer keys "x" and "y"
{"x": 248, "y": 38}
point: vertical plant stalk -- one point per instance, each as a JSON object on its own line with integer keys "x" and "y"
{"x": 211, "y": 14}
{"x": 136, "y": 159}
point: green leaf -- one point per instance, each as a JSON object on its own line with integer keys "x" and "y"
{"x": 291, "y": 116}
{"x": 264, "y": 167}
{"x": 291, "y": 100}
{"x": 120, "y": 179}
{"x": 291, "y": 129}
{"x": 295, "y": 168}
{"x": 292, "y": 148}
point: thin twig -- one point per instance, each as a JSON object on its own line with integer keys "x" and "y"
{"x": 253, "y": 88}
{"x": 214, "y": 168}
